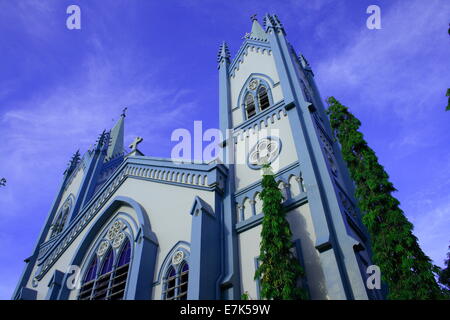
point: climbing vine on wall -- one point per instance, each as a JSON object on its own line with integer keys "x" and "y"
{"x": 405, "y": 268}
{"x": 279, "y": 270}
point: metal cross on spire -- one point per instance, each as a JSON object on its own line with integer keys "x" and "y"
{"x": 253, "y": 17}
{"x": 246, "y": 36}
{"x": 124, "y": 112}
{"x": 135, "y": 143}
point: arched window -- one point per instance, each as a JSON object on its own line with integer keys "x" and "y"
{"x": 176, "y": 282}
{"x": 171, "y": 283}
{"x": 109, "y": 282}
{"x": 60, "y": 222}
{"x": 101, "y": 285}
{"x": 184, "y": 279}
{"x": 121, "y": 273}
{"x": 263, "y": 98}
{"x": 88, "y": 281}
{"x": 250, "y": 106}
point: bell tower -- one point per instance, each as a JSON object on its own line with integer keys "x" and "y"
{"x": 271, "y": 105}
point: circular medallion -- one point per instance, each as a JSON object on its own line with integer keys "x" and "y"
{"x": 118, "y": 240}
{"x": 253, "y": 84}
{"x": 104, "y": 245}
{"x": 114, "y": 230}
{"x": 111, "y": 234}
{"x": 118, "y": 225}
{"x": 264, "y": 152}
{"x": 177, "y": 257}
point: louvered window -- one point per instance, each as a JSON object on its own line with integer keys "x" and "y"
{"x": 263, "y": 98}
{"x": 250, "y": 106}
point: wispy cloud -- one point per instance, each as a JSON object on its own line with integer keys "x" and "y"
{"x": 372, "y": 57}
{"x": 389, "y": 80}
{"x": 429, "y": 211}
{"x": 40, "y": 131}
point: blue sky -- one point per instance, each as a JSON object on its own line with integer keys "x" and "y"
{"x": 60, "y": 88}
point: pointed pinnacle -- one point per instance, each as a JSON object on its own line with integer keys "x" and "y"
{"x": 268, "y": 21}
{"x": 76, "y": 156}
{"x": 223, "y": 52}
{"x": 277, "y": 21}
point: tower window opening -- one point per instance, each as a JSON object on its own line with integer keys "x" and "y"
{"x": 250, "y": 106}
{"x": 263, "y": 98}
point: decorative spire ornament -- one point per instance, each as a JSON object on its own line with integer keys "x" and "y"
{"x": 224, "y": 53}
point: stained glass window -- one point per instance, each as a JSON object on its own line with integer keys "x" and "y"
{"x": 89, "y": 280}
{"x": 110, "y": 282}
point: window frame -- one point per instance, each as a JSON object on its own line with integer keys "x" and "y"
{"x": 246, "y": 105}
{"x": 266, "y": 96}
{"x": 177, "y": 288}
{"x": 111, "y": 276}
{"x": 178, "y": 267}
{"x": 255, "y": 96}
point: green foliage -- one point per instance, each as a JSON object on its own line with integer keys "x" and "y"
{"x": 405, "y": 268}
{"x": 279, "y": 270}
{"x": 448, "y": 95}
{"x": 245, "y": 296}
{"x": 444, "y": 275}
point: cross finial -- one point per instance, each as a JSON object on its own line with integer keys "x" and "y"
{"x": 135, "y": 143}
{"x": 124, "y": 112}
{"x": 253, "y": 17}
{"x": 246, "y": 36}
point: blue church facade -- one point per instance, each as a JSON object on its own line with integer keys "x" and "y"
{"x": 129, "y": 226}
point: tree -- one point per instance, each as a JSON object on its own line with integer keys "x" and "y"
{"x": 448, "y": 95}
{"x": 405, "y": 268}
{"x": 279, "y": 270}
{"x": 444, "y": 275}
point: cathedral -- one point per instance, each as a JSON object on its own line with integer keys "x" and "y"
{"x": 128, "y": 226}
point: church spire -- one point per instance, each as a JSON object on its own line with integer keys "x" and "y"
{"x": 272, "y": 21}
{"x": 116, "y": 138}
{"x": 257, "y": 32}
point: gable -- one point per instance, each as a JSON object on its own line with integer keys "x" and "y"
{"x": 253, "y": 60}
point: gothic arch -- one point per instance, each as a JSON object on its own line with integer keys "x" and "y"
{"x": 294, "y": 186}
{"x": 145, "y": 244}
{"x": 182, "y": 246}
{"x": 258, "y": 203}
{"x": 115, "y": 248}
{"x": 265, "y": 81}
{"x": 247, "y": 204}
{"x": 63, "y": 216}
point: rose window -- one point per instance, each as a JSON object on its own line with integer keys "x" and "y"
{"x": 264, "y": 152}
